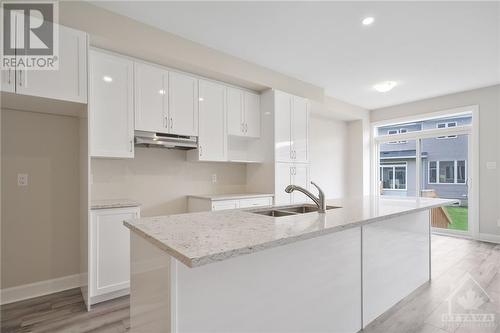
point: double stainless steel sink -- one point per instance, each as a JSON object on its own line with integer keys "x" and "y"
{"x": 290, "y": 210}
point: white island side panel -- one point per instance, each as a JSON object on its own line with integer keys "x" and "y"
{"x": 396, "y": 261}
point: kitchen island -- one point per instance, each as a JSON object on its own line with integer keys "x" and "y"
{"x": 240, "y": 271}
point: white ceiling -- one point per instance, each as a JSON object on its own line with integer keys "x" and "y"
{"x": 429, "y": 48}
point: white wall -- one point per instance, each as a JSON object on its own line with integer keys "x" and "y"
{"x": 488, "y": 100}
{"x": 40, "y": 222}
{"x": 328, "y": 154}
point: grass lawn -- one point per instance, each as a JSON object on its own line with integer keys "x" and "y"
{"x": 459, "y": 218}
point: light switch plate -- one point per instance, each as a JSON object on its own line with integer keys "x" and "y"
{"x": 22, "y": 179}
{"x": 214, "y": 178}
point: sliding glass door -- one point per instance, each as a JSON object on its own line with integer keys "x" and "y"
{"x": 428, "y": 158}
{"x": 444, "y": 161}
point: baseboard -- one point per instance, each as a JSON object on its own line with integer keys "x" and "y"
{"x": 105, "y": 297}
{"x": 491, "y": 238}
{"x": 41, "y": 288}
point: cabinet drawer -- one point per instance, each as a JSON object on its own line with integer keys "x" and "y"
{"x": 225, "y": 204}
{"x": 255, "y": 202}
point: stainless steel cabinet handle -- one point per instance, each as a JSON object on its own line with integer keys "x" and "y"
{"x": 171, "y": 122}
{"x": 165, "y": 122}
{"x": 9, "y": 76}
{"x": 20, "y": 78}
{"x": 131, "y": 145}
{"x": 201, "y": 151}
{"x": 246, "y": 127}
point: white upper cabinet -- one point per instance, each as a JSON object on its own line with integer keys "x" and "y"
{"x": 252, "y": 114}
{"x": 69, "y": 81}
{"x": 243, "y": 113}
{"x": 283, "y": 128}
{"x": 165, "y": 102}
{"x": 183, "y": 104}
{"x": 235, "y": 117}
{"x": 111, "y": 108}
{"x": 151, "y": 98}
{"x": 300, "y": 129}
{"x": 291, "y": 128}
{"x": 212, "y": 140}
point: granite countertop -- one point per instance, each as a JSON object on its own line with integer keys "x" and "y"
{"x": 201, "y": 238}
{"x": 113, "y": 203}
{"x": 232, "y": 196}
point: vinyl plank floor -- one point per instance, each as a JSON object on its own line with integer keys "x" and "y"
{"x": 420, "y": 312}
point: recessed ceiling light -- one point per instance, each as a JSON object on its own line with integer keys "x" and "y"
{"x": 107, "y": 78}
{"x": 200, "y": 99}
{"x": 385, "y": 86}
{"x": 368, "y": 20}
{"x": 161, "y": 92}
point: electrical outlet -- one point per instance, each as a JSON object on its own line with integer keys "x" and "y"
{"x": 214, "y": 178}
{"x": 22, "y": 179}
{"x": 491, "y": 165}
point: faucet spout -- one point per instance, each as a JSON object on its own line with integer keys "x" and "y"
{"x": 319, "y": 201}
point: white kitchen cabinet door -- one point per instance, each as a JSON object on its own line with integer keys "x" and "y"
{"x": 183, "y": 104}
{"x": 283, "y": 125}
{"x": 300, "y": 177}
{"x": 212, "y": 132}
{"x": 110, "y": 246}
{"x": 111, "y": 108}
{"x": 69, "y": 81}
{"x": 283, "y": 178}
{"x": 8, "y": 82}
{"x": 256, "y": 202}
{"x": 235, "y": 116}
{"x": 300, "y": 129}
{"x": 225, "y": 204}
{"x": 151, "y": 98}
{"x": 252, "y": 115}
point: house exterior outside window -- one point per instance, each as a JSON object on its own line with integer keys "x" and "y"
{"x": 444, "y": 160}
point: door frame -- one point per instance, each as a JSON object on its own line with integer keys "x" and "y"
{"x": 472, "y": 163}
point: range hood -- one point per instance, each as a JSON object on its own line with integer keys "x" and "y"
{"x": 161, "y": 140}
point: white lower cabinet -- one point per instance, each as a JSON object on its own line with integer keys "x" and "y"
{"x": 109, "y": 270}
{"x": 287, "y": 174}
{"x": 200, "y": 204}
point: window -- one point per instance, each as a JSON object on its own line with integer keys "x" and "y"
{"x": 447, "y": 125}
{"x": 447, "y": 172}
{"x": 400, "y": 131}
{"x": 461, "y": 176}
{"x": 432, "y": 172}
{"x": 393, "y": 176}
